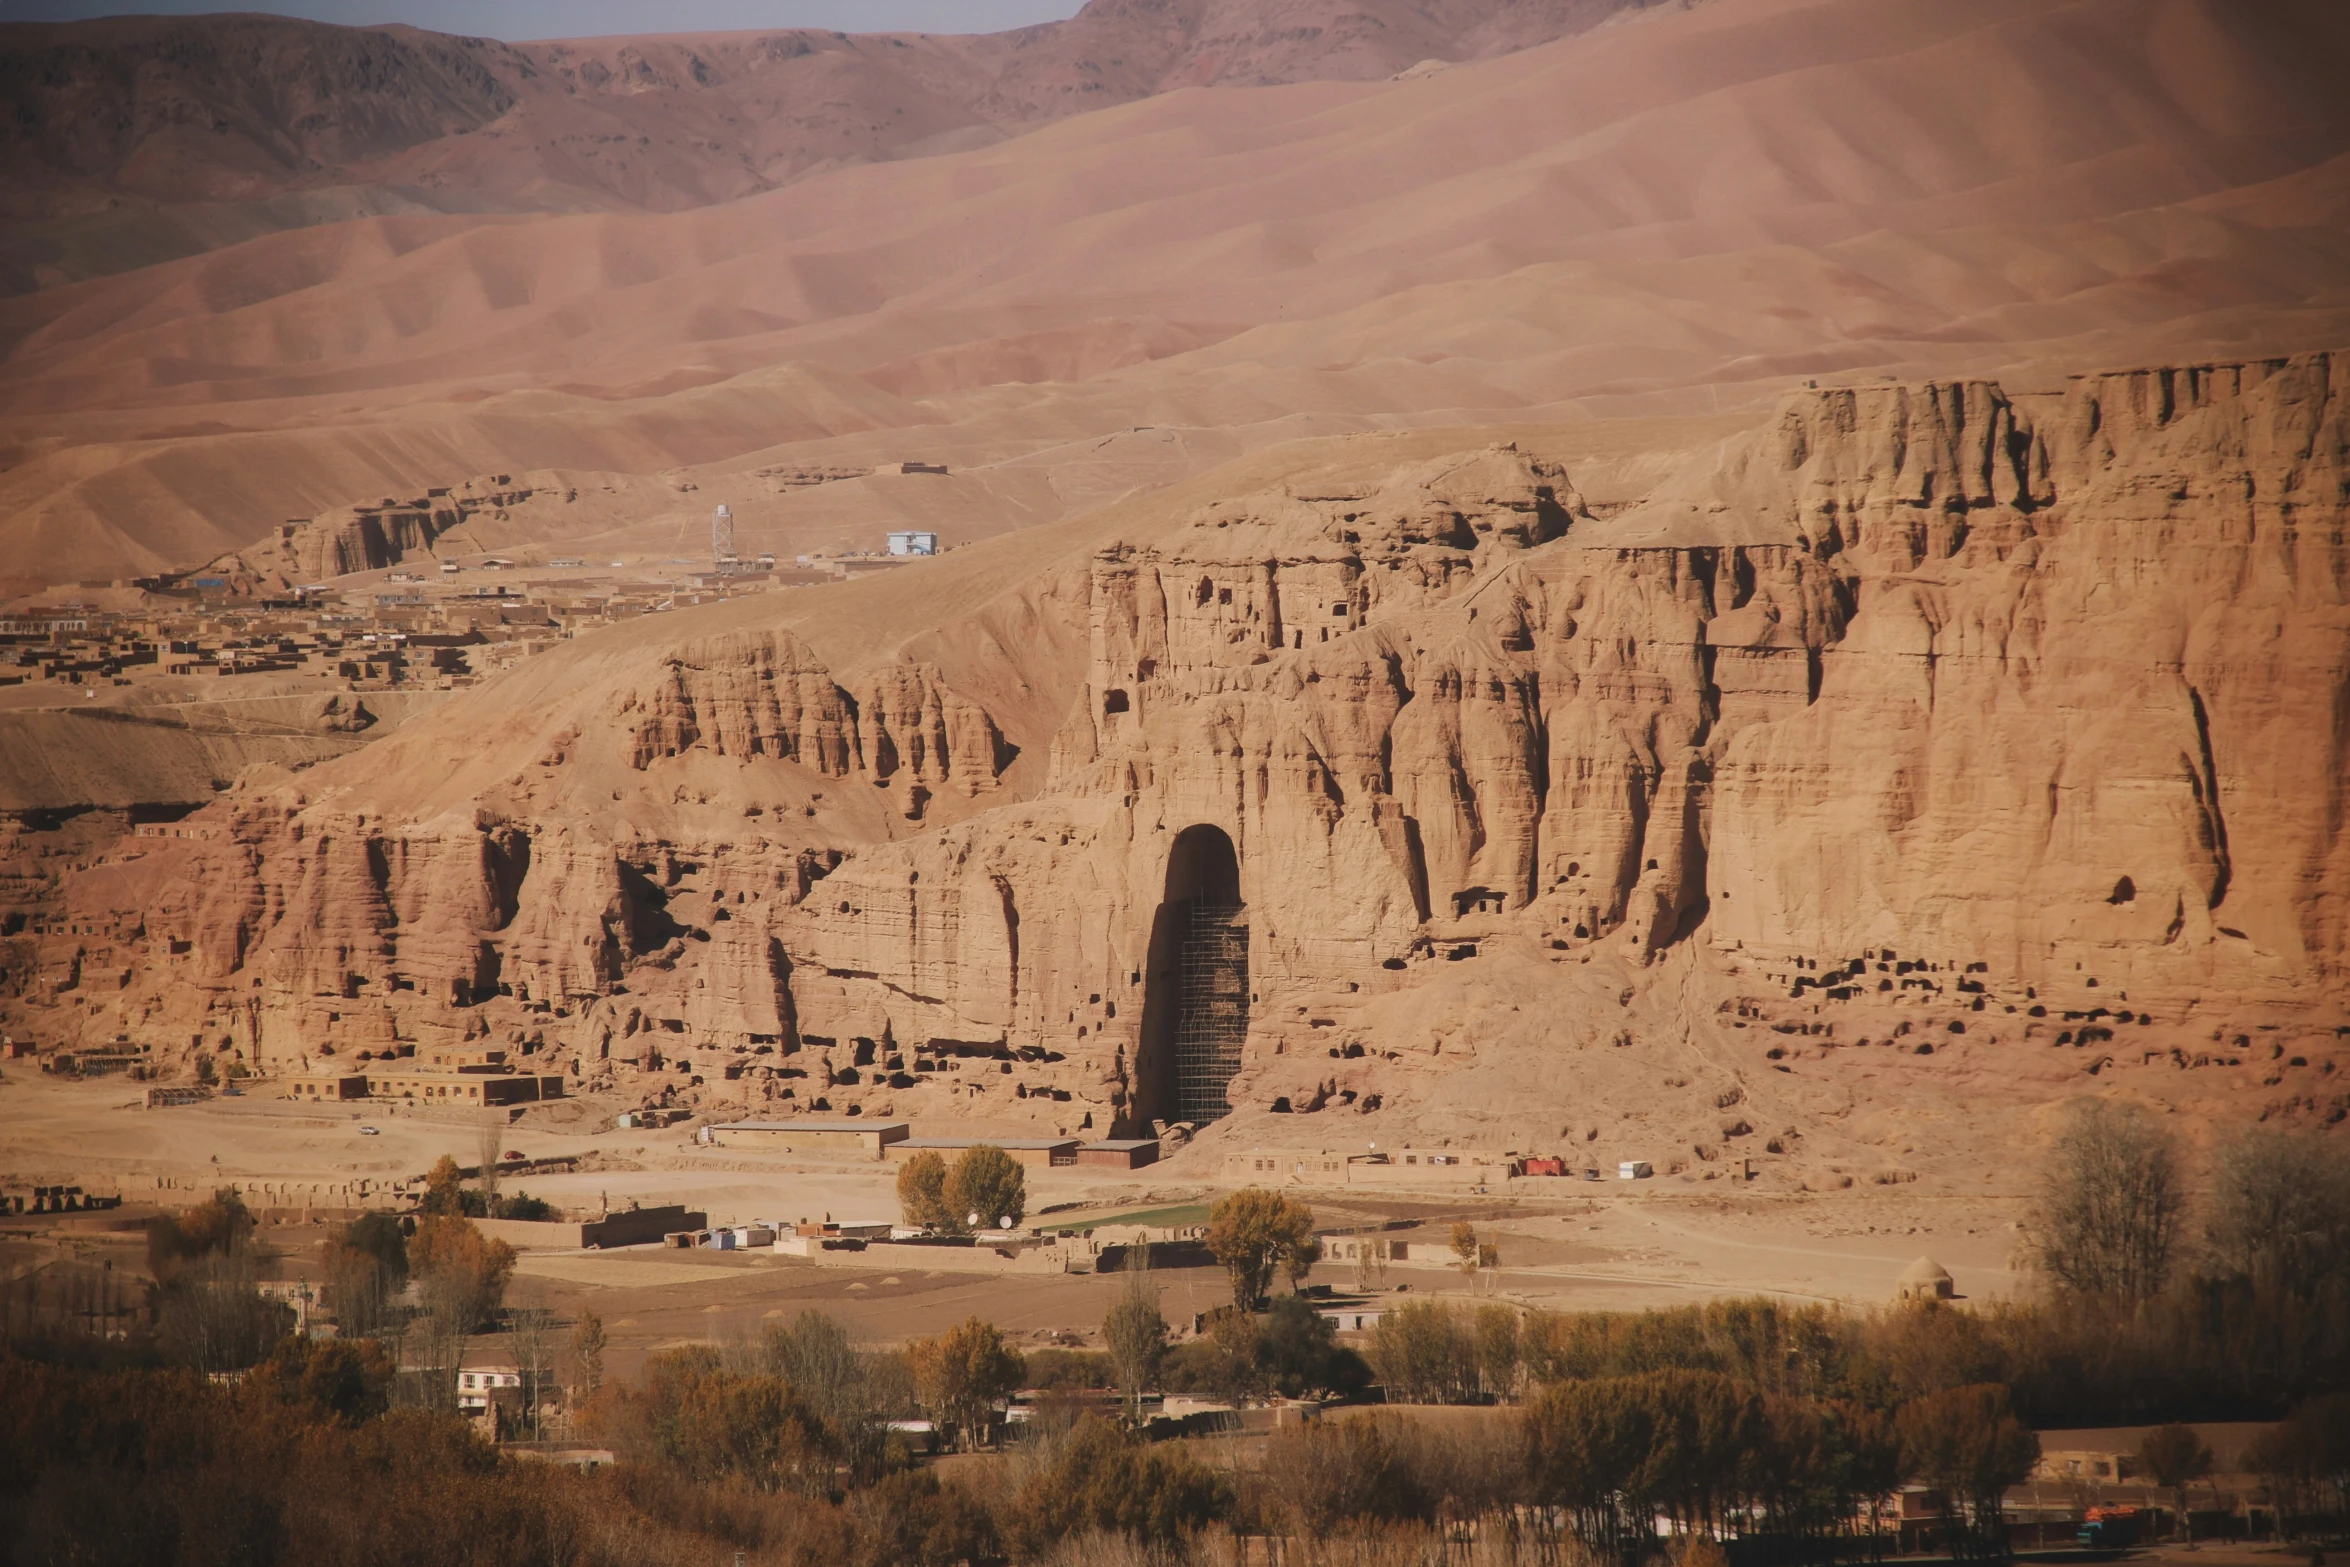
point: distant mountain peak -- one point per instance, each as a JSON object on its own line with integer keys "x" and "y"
{"x": 116, "y": 125}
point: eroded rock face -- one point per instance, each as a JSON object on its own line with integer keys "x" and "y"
{"x": 2106, "y": 646}
{"x": 1914, "y": 685}
{"x": 373, "y": 535}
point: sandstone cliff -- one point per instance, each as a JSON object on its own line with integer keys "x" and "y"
{"x": 371, "y": 535}
{"x": 1926, "y": 715}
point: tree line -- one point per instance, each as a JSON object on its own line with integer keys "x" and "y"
{"x": 1786, "y": 1426}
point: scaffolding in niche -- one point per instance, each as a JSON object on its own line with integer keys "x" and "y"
{"x": 1211, "y": 1015}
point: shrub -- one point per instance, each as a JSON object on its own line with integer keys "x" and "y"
{"x": 1329, "y": 1476}
{"x": 1298, "y": 1352}
{"x": 922, "y": 1189}
{"x": 990, "y": 1183}
{"x": 1134, "y": 1330}
{"x": 961, "y": 1373}
{"x": 1967, "y": 1443}
{"x": 1425, "y": 1353}
{"x": 1255, "y": 1233}
{"x": 1069, "y": 1370}
{"x": 914, "y": 1519}
{"x": 346, "y": 1380}
{"x": 711, "y": 1424}
{"x": 1103, "y": 1480}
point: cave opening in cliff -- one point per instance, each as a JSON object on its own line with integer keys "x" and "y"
{"x": 1195, "y": 1003}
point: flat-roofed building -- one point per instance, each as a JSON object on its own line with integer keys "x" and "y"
{"x": 835, "y": 1139}
{"x": 463, "y": 1058}
{"x": 479, "y": 1386}
{"x": 1037, "y": 1152}
{"x": 1120, "y": 1153}
{"x": 466, "y": 1088}
{"x": 325, "y": 1086}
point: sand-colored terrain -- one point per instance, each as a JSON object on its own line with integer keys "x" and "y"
{"x": 1689, "y": 207}
{"x": 1610, "y": 1246}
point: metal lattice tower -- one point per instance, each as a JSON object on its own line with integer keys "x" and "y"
{"x": 722, "y": 536}
{"x": 1211, "y": 1016}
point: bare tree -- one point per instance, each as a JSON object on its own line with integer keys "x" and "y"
{"x": 2280, "y": 1211}
{"x": 493, "y": 1148}
{"x": 2112, "y": 1204}
{"x": 365, "y": 1267}
{"x": 587, "y": 1357}
{"x": 461, "y": 1278}
{"x": 1134, "y": 1330}
{"x": 534, "y": 1358}
{"x": 852, "y": 1391}
{"x": 2174, "y": 1457}
{"x": 1370, "y": 1259}
{"x": 211, "y": 1316}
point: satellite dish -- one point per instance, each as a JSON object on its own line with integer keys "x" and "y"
{"x": 971, "y": 1219}
{"x": 1002, "y": 1223}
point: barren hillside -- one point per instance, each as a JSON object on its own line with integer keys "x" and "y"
{"x": 133, "y": 139}
{"x": 1680, "y": 212}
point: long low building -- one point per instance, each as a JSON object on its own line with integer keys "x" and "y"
{"x": 1039, "y": 1152}
{"x": 839, "y": 1139}
{"x": 628, "y": 1227}
{"x": 325, "y": 1086}
{"x": 469, "y": 1085}
{"x": 469, "y": 1088}
{"x": 1120, "y": 1153}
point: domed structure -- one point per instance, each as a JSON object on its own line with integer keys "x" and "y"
{"x": 1925, "y": 1279}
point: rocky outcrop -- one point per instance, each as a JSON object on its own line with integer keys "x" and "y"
{"x": 764, "y": 693}
{"x": 375, "y": 534}
{"x": 1918, "y": 705}
{"x": 749, "y": 694}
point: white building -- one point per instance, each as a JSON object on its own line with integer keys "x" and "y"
{"x": 476, "y": 1387}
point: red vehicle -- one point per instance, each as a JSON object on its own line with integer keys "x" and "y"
{"x": 2109, "y": 1527}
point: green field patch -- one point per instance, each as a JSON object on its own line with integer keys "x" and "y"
{"x": 1157, "y": 1218}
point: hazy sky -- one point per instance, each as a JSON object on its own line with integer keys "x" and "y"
{"x": 514, "y": 19}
